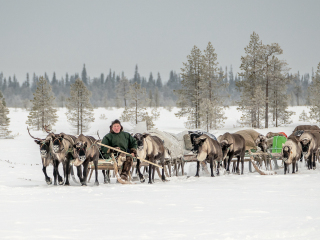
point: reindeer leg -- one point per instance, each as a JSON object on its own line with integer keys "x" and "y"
{"x": 66, "y": 165}
{"x": 141, "y": 177}
{"x": 218, "y": 168}
{"x": 48, "y": 180}
{"x": 96, "y": 183}
{"x": 238, "y": 165}
{"x": 163, "y": 178}
{"x": 104, "y": 176}
{"x": 55, "y": 171}
{"x": 198, "y": 167}
{"x": 60, "y": 179}
{"x": 314, "y": 161}
{"x": 242, "y": 163}
{"x": 79, "y": 173}
{"x": 211, "y": 166}
{"x": 85, "y": 172}
{"x": 229, "y": 160}
{"x": 285, "y": 168}
{"x": 297, "y": 165}
{"x": 153, "y": 172}
{"x": 150, "y": 174}
{"x": 293, "y": 167}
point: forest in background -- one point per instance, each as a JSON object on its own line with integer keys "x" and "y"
{"x": 106, "y": 93}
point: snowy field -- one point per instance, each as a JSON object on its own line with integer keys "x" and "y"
{"x": 250, "y": 206}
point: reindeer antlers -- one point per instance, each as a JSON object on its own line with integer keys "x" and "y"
{"x": 34, "y": 137}
{"x": 98, "y": 135}
{"x": 45, "y": 127}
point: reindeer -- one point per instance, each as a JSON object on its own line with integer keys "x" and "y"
{"x": 47, "y": 158}
{"x": 207, "y": 149}
{"x": 233, "y": 145}
{"x": 150, "y": 148}
{"x": 291, "y": 153}
{"x": 85, "y": 150}
{"x": 62, "y": 149}
{"x": 310, "y": 143}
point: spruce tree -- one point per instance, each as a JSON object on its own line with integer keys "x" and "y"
{"x": 42, "y": 111}
{"x": 314, "y": 90}
{"x": 4, "y": 120}
{"x": 190, "y": 94}
{"x": 84, "y": 75}
{"x": 252, "y": 76}
{"x": 80, "y": 111}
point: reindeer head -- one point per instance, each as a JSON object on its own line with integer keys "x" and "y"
{"x": 286, "y": 153}
{"x": 261, "y": 142}
{"x": 140, "y": 138}
{"x": 225, "y": 147}
{"x": 79, "y": 151}
{"x": 198, "y": 143}
{"x": 44, "y": 145}
{"x": 57, "y": 143}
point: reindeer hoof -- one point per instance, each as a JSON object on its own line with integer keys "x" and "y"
{"x": 96, "y": 183}
{"x": 83, "y": 184}
{"x": 49, "y": 181}
{"x": 142, "y": 180}
{"x": 61, "y": 182}
{"x": 67, "y": 184}
{"x": 149, "y": 182}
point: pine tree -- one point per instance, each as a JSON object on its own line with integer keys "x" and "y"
{"x": 159, "y": 82}
{"x": 201, "y": 89}
{"x": 268, "y": 52}
{"x": 278, "y": 82}
{"x": 136, "y": 110}
{"x": 122, "y": 91}
{"x": 136, "y": 78}
{"x": 190, "y": 94}
{"x": 303, "y": 117}
{"x": 42, "y": 111}
{"x": 252, "y": 77}
{"x": 213, "y": 91}
{"x": 314, "y": 90}
{"x": 84, "y": 76}
{"x": 4, "y": 119}
{"x": 80, "y": 111}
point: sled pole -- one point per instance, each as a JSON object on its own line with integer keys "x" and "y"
{"x": 128, "y": 153}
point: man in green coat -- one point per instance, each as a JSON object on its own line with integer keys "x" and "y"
{"x": 118, "y": 138}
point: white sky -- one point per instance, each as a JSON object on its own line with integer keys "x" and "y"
{"x": 47, "y": 36}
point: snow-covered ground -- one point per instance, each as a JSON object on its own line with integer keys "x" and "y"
{"x": 250, "y": 206}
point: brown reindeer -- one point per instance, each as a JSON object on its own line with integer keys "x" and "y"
{"x": 233, "y": 145}
{"x": 207, "y": 149}
{"x": 150, "y": 148}
{"x": 85, "y": 150}
{"x": 291, "y": 153}
{"x": 62, "y": 149}
{"x": 47, "y": 158}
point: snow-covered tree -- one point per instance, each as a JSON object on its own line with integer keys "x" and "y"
{"x": 136, "y": 109}
{"x": 314, "y": 96}
{"x": 4, "y": 119}
{"x": 42, "y": 111}
{"x": 80, "y": 111}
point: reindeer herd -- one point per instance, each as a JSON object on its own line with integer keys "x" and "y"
{"x": 304, "y": 142}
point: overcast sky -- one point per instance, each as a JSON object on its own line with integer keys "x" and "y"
{"x": 47, "y": 36}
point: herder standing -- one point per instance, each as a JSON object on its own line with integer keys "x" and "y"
{"x": 118, "y": 138}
